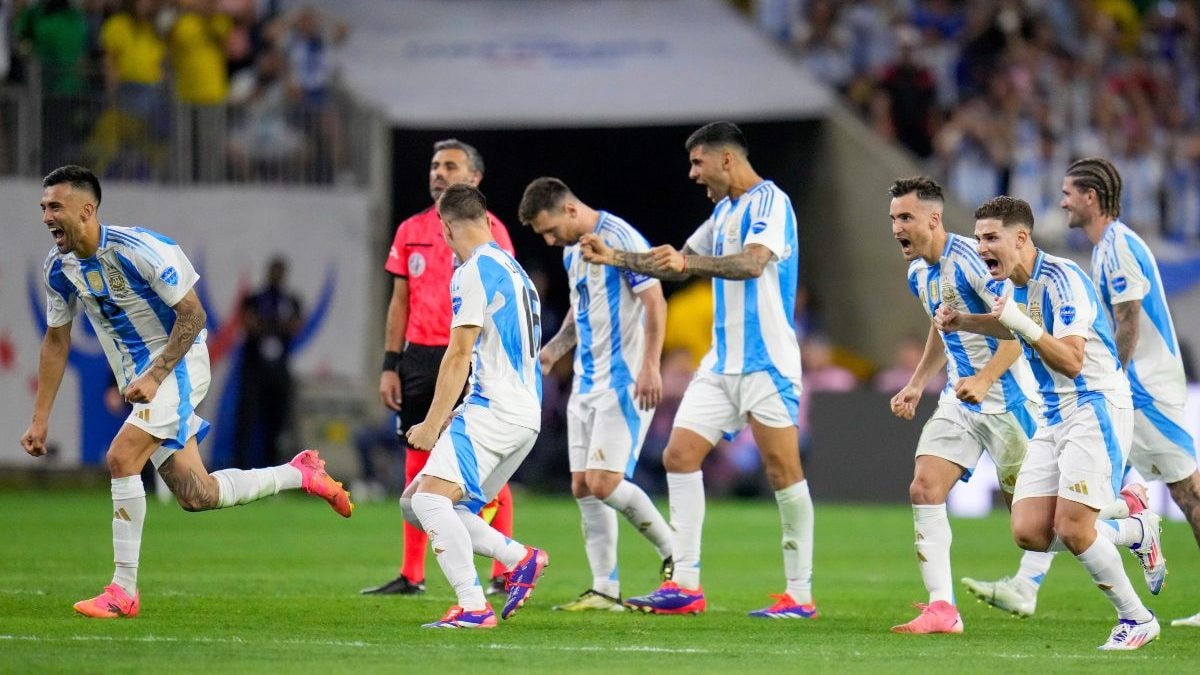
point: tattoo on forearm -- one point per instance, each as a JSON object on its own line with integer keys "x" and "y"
{"x": 564, "y": 340}
{"x": 738, "y": 266}
{"x": 643, "y": 264}
{"x": 1126, "y": 315}
{"x": 187, "y": 326}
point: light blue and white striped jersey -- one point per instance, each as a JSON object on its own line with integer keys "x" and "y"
{"x": 961, "y": 280}
{"x": 754, "y": 325}
{"x": 492, "y": 291}
{"x": 1060, "y": 298}
{"x": 1124, "y": 269}
{"x": 127, "y": 289}
{"x": 609, "y": 316}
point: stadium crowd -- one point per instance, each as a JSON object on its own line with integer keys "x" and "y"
{"x": 997, "y": 97}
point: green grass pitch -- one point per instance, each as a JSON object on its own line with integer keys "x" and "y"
{"x": 273, "y": 587}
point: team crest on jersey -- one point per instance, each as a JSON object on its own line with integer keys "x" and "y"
{"x": 169, "y": 276}
{"x": 949, "y": 295}
{"x": 416, "y": 264}
{"x": 95, "y": 281}
{"x": 116, "y": 280}
{"x": 1033, "y": 311}
{"x": 1120, "y": 284}
{"x": 1067, "y": 314}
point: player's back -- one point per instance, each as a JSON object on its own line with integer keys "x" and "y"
{"x": 609, "y": 315}
{"x": 960, "y": 280}
{"x": 754, "y": 325}
{"x": 492, "y": 291}
{"x": 1060, "y": 297}
{"x": 127, "y": 289}
{"x": 1124, "y": 269}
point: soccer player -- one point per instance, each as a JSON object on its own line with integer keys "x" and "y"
{"x": 617, "y": 321}
{"x": 988, "y": 404}
{"x": 1074, "y": 463}
{"x": 415, "y": 338}
{"x": 497, "y": 327}
{"x": 750, "y": 375}
{"x": 136, "y": 287}
{"x": 1126, "y": 274}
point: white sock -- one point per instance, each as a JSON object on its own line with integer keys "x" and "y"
{"x": 632, "y": 502}
{"x": 238, "y": 486}
{"x": 129, "y": 514}
{"x": 686, "y": 496}
{"x": 796, "y": 517}
{"x": 1115, "y": 510}
{"x": 933, "y": 538}
{"x": 1103, "y": 562}
{"x": 600, "y": 543}
{"x": 1034, "y": 566}
{"x": 1126, "y": 532}
{"x": 451, "y": 546}
{"x": 487, "y": 540}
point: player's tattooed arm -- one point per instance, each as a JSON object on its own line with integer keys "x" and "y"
{"x": 190, "y": 318}
{"x": 562, "y": 342}
{"x": 1127, "y": 315}
{"x": 648, "y": 264}
{"x": 748, "y": 264}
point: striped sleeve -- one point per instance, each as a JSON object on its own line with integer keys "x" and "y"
{"x": 62, "y": 302}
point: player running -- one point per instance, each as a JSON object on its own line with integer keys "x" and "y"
{"x": 617, "y": 320}
{"x": 752, "y": 372}
{"x": 136, "y": 287}
{"x": 988, "y": 405}
{"x": 1074, "y": 463}
{"x": 1126, "y": 275}
{"x": 496, "y": 329}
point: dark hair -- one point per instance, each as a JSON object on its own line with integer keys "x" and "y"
{"x": 927, "y": 189}
{"x": 1009, "y": 211}
{"x": 543, "y": 194}
{"x": 78, "y": 177}
{"x": 716, "y": 134}
{"x": 462, "y": 202}
{"x": 473, "y": 155}
{"x": 1097, "y": 173}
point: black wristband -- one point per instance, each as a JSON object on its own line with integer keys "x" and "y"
{"x": 391, "y": 361}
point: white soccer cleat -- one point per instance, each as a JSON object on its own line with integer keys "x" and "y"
{"x": 1009, "y": 594}
{"x": 1149, "y": 551}
{"x": 1193, "y": 620}
{"x": 1129, "y": 634}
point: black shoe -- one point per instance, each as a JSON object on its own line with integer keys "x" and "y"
{"x": 668, "y": 568}
{"x": 497, "y": 586}
{"x": 398, "y": 586}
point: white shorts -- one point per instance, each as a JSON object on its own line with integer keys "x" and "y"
{"x": 479, "y": 452}
{"x": 960, "y": 435}
{"x": 717, "y": 406}
{"x": 171, "y": 414}
{"x": 605, "y": 431}
{"x": 1162, "y": 447}
{"x": 1081, "y": 458}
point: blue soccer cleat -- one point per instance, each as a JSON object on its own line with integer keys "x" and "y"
{"x": 669, "y": 598}
{"x": 457, "y": 617}
{"x": 786, "y": 608}
{"x": 523, "y": 578}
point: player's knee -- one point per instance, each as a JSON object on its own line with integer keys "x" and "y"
{"x": 682, "y": 460}
{"x": 923, "y": 492}
{"x": 1186, "y": 493}
{"x": 197, "y": 502}
{"x": 1031, "y": 538}
{"x": 119, "y": 464}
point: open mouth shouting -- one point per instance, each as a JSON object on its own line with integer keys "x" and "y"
{"x": 993, "y": 265}
{"x": 906, "y": 247}
{"x": 60, "y": 237}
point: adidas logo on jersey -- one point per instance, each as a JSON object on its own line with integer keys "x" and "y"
{"x": 1080, "y": 487}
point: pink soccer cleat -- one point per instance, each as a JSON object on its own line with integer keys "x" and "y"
{"x": 1136, "y": 498}
{"x": 457, "y": 617}
{"x": 936, "y": 617}
{"x": 113, "y": 603}
{"x": 316, "y": 482}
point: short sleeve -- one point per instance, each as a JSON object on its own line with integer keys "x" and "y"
{"x": 701, "y": 240}
{"x": 1071, "y": 306}
{"x": 162, "y": 262}
{"x": 628, "y": 239}
{"x": 769, "y": 222}
{"x": 396, "y": 263}
{"x": 62, "y": 303}
{"x": 1123, "y": 274}
{"x": 468, "y": 300}
{"x": 913, "y": 280}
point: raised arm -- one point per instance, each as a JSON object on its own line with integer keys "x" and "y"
{"x": 189, "y": 321}
{"x": 52, "y": 363}
{"x": 452, "y": 377}
{"x": 562, "y": 342}
{"x": 594, "y": 250}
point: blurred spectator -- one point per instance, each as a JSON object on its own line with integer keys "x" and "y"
{"x": 128, "y": 137}
{"x": 261, "y": 141}
{"x": 55, "y": 33}
{"x": 689, "y": 320}
{"x": 311, "y": 43}
{"x": 197, "y": 42}
{"x": 820, "y": 374}
{"x": 896, "y": 376}
{"x": 905, "y": 107}
{"x": 824, "y": 44}
{"x": 271, "y": 320}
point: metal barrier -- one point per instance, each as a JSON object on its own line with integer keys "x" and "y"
{"x": 144, "y": 133}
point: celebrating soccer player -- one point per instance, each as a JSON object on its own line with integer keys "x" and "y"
{"x": 1126, "y": 274}
{"x": 1074, "y": 463}
{"x": 752, "y": 372}
{"x": 616, "y": 324}
{"x": 986, "y": 405}
{"x": 496, "y": 327}
{"x": 136, "y": 287}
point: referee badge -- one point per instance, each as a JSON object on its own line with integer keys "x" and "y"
{"x": 416, "y": 264}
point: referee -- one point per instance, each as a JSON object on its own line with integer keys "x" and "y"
{"x": 415, "y": 339}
